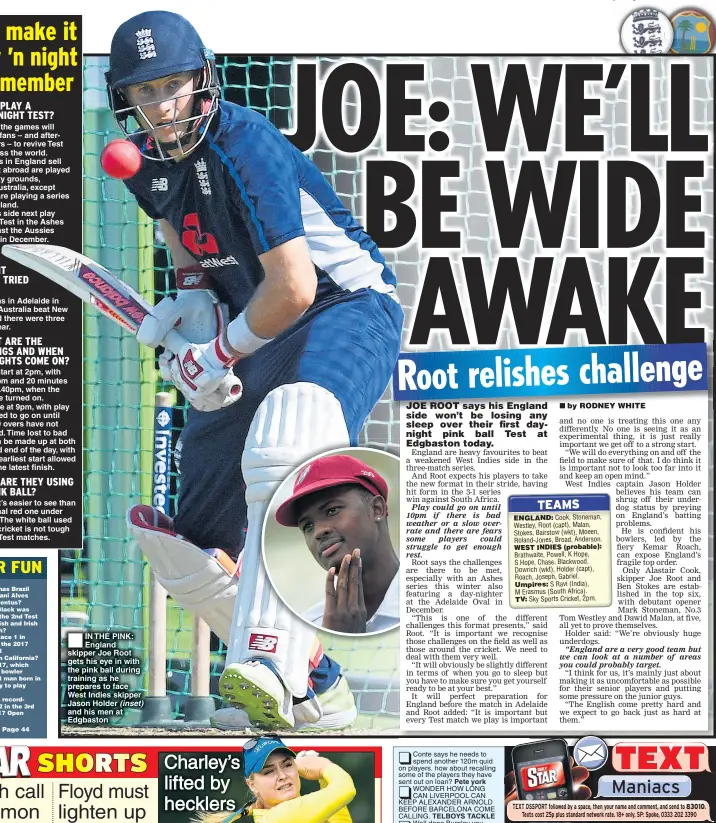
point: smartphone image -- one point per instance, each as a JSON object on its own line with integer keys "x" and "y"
{"x": 543, "y": 771}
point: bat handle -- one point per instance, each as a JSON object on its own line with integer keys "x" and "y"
{"x": 230, "y": 388}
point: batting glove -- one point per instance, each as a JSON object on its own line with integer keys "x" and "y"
{"x": 196, "y": 312}
{"x": 205, "y": 403}
{"x": 198, "y": 370}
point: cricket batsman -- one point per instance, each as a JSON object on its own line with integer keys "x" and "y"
{"x": 277, "y": 283}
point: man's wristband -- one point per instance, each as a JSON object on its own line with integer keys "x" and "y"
{"x": 226, "y": 358}
{"x": 241, "y": 338}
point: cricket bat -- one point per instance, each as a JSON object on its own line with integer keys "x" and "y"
{"x": 109, "y": 295}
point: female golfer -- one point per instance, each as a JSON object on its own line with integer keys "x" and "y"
{"x": 273, "y": 771}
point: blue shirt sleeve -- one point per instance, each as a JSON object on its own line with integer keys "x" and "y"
{"x": 261, "y": 164}
{"x": 148, "y": 207}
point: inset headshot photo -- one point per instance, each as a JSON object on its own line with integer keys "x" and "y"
{"x": 330, "y": 541}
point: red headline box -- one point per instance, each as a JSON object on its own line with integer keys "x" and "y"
{"x": 542, "y": 776}
{"x": 124, "y": 761}
{"x": 660, "y": 757}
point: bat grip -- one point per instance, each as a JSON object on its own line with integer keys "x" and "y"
{"x": 229, "y": 389}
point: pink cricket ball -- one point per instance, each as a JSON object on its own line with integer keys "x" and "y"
{"x": 121, "y": 159}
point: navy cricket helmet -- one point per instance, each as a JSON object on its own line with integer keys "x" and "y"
{"x": 157, "y": 44}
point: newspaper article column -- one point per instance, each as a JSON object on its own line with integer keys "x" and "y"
{"x": 555, "y": 418}
{"x": 40, "y": 323}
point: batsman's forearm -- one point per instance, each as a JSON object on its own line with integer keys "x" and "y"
{"x": 240, "y": 339}
{"x": 270, "y": 311}
{"x": 273, "y": 309}
{"x": 181, "y": 258}
{"x": 287, "y": 290}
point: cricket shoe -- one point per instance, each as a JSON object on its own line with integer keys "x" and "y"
{"x": 333, "y": 710}
{"x": 254, "y": 688}
{"x": 338, "y": 710}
